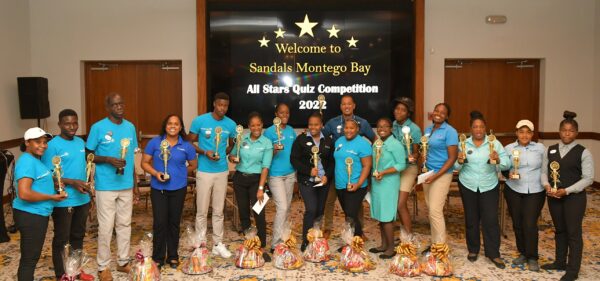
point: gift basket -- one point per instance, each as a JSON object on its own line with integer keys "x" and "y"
{"x": 354, "y": 258}
{"x": 437, "y": 261}
{"x": 286, "y": 254}
{"x": 406, "y": 263}
{"x": 73, "y": 262}
{"x": 249, "y": 254}
{"x": 317, "y": 249}
{"x": 144, "y": 268}
{"x": 199, "y": 261}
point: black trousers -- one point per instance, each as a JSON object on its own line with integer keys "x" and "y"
{"x": 567, "y": 216}
{"x": 33, "y": 233}
{"x": 167, "y": 207}
{"x": 245, "y": 187}
{"x": 69, "y": 227}
{"x": 314, "y": 204}
{"x": 351, "y": 204}
{"x": 525, "y": 210}
{"x": 481, "y": 209}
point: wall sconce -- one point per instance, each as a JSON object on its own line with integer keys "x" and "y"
{"x": 495, "y": 19}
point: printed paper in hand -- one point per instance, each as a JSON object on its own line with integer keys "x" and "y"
{"x": 258, "y": 207}
{"x": 368, "y": 198}
{"x": 422, "y": 177}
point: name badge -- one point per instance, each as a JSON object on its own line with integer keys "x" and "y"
{"x": 552, "y": 151}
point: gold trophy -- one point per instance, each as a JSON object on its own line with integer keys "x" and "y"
{"x": 321, "y": 99}
{"x": 239, "y": 129}
{"x": 124, "y": 146}
{"x": 491, "y": 139}
{"x": 407, "y": 140}
{"x": 554, "y": 166}
{"x": 315, "y": 159}
{"x": 462, "y": 139}
{"x": 90, "y": 171}
{"x": 218, "y": 132}
{"x": 165, "y": 155}
{"x": 378, "y": 145}
{"x": 58, "y": 175}
{"x": 349, "y": 163}
{"x": 277, "y": 123}
{"x": 424, "y": 149}
{"x": 516, "y": 161}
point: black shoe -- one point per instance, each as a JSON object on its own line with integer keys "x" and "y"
{"x": 376, "y": 251}
{"x": 554, "y": 266}
{"x": 498, "y": 262}
{"x": 385, "y": 256}
{"x": 427, "y": 250}
{"x": 272, "y": 250}
{"x": 340, "y": 249}
{"x": 569, "y": 277}
{"x": 266, "y": 257}
{"x": 173, "y": 263}
{"x": 303, "y": 246}
{"x": 472, "y": 257}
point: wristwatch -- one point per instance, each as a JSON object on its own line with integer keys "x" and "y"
{"x": 260, "y": 187}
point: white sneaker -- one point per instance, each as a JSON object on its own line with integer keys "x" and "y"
{"x": 221, "y": 250}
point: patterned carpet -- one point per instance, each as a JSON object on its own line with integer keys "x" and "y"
{"x": 482, "y": 269}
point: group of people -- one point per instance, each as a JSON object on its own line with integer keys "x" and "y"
{"x": 342, "y": 158}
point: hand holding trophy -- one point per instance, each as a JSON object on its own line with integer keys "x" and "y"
{"x": 408, "y": 141}
{"x": 124, "y": 146}
{"x": 554, "y": 167}
{"x": 424, "y": 149}
{"x": 60, "y": 189}
{"x": 277, "y": 123}
{"x": 349, "y": 163}
{"x": 516, "y": 154}
{"x": 165, "y": 155}
{"x": 378, "y": 146}
{"x": 462, "y": 140}
{"x": 315, "y": 159}
{"x": 218, "y": 132}
{"x": 90, "y": 171}
{"x": 239, "y": 129}
{"x": 491, "y": 140}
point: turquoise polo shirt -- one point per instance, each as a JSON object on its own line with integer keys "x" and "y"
{"x": 105, "y": 140}
{"x": 335, "y": 127}
{"x": 530, "y": 167}
{"x": 182, "y": 152}
{"x": 357, "y": 148}
{"x": 477, "y": 174}
{"x": 415, "y": 134}
{"x": 204, "y": 126}
{"x": 73, "y": 162}
{"x": 439, "y": 141}
{"x": 255, "y": 155}
{"x": 30, "y": 167}
{"x": 281, "y": 165}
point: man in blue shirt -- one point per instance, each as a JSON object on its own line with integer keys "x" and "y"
{"x": 114, "y": 196}
{"x": 69, "y": 215}
{"x": 213, "y": 171}
{"x": 335, "y": 128}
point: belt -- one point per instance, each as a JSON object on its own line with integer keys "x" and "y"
{"x": 247, "y": 174}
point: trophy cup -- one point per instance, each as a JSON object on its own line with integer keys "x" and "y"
{"x": 165, "y": 155}
{"x": 424, "y": 149}
{"x": 515, "y": 175}
{"x": 315, "y": 159}
{"x": 124, "y": 146}
{"x": 321, "y": 99}
{"x": 407, "y": 140}
{"x": 218, "y": 132}
{"x": 239, "y": 129}
{"x": 462, "y": 139}
{"x": 349, "y": 163}
{"x": 378, "y": 145}
{"x": 277, "y": 123}
{"x": 554, "y": 166}
{"x": 58, "y": 175}
{"x": 491, "y": 139}
{"x": 90, "y": 171}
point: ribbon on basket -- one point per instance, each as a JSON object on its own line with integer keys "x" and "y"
{"x": 139, "y": 256}
{"x": 64, "y": 277}
{"x": 406, "y": 249}
{"x": 440, "y": 251}
{"x": 291, "y": 242}
{"x": 357, "y": 244}
{"x": 313, "y": 234}
{"x": 252, "y": 244}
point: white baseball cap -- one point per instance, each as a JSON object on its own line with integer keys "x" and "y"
{"x": 525, "y": 123}
{"x": 34, "y": 133}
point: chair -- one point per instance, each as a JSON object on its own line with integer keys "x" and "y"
{"x": 142, "y": 178}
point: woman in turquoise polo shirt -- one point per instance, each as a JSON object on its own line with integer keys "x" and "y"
{"x": 351, "y": 190}
{"x": 385, "y": 182}
{"x": 443, "y": 147}
{"x": 256, "y": 153}
{"x": 168, "y": 188}
{"x": 35, "y": 200}
{"x": 480, "y": 190}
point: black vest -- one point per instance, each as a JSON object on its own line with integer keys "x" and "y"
{"x": 570, "y": 165}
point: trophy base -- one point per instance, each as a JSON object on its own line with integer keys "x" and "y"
{"x": 515, "y": 177}
{"x": 317, "y": 179}
{"x": 553, "y": 190}
{"x": 166, "y": 176}
{"x": 492, "y": 162}
{"x": 216, "y": 156}
{"x": 465, "y": 160}
{"x": 278, "y": 146}
{"x": 236, "y": 160}
{"x": 62, "y": 192}
{"x": 120, "y": 171}
{"x": 375, "y": 174}
{"x": 424, "y": 170}
{"x": 348, "y": 186}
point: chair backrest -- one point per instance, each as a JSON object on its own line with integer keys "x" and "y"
{"x": 137, "y": 159}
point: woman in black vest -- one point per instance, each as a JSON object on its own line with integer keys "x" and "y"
{"x": 567, "y": 201}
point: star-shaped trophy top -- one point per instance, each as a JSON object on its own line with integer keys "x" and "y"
{"x": 333, "y": 32}
{"x": 263, "y": 42}
{"x": 279, "y": 33}
{"x": 306, "y": 26}
{"x": 352, "y": 42}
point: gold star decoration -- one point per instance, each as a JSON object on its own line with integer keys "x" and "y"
{"x": 333, "y": 32}
{"x": 263, "y": 42}
{"x": 306, "y": 26}
{"x": 279, "y": 33}
{"x": 352, "y": 42}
